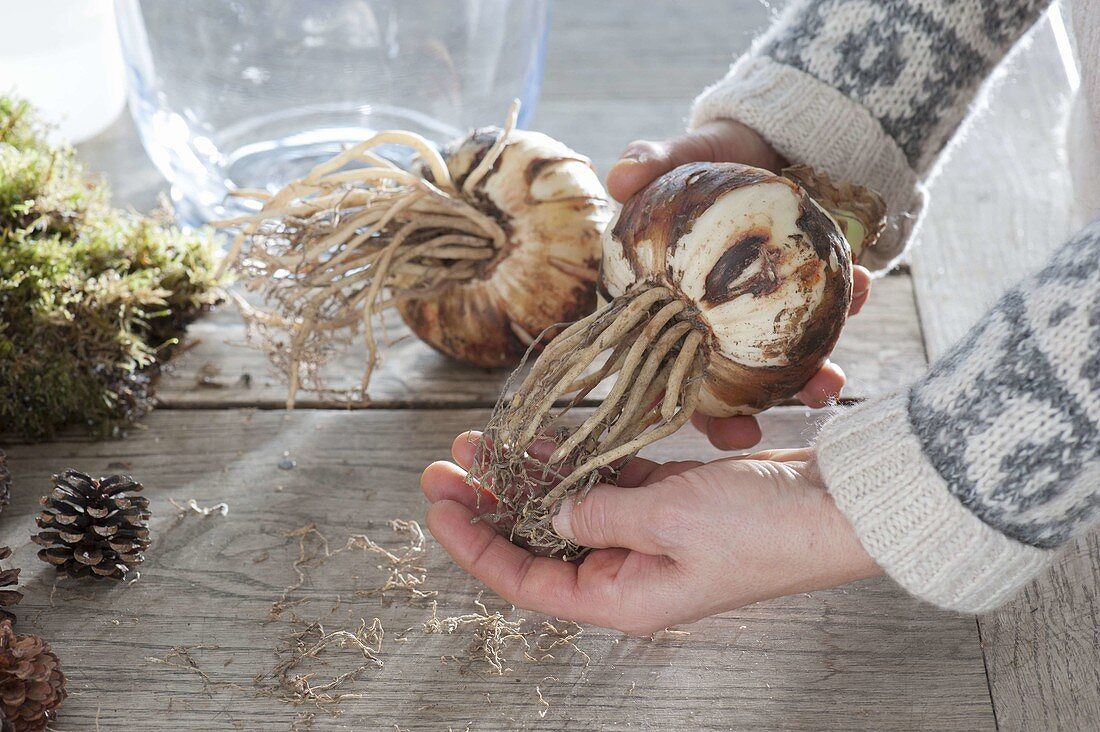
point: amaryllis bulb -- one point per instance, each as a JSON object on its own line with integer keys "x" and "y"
{"x": 549, "y": 201}
{"x": 480, "y": 248}
{"x": 764, "y": 269}
{"x": 726, "y": 287}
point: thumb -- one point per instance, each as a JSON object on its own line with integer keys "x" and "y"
{"x": 643, "y": 161}
{"x": 606, "y": 517}
{"x": 717, "y": 141}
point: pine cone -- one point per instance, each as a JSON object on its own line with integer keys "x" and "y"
{"x": 8, "y": 577}
{"x": 5, "y": 480}
{"x": 32, "y": 685}
{"x": 92, "y": 528}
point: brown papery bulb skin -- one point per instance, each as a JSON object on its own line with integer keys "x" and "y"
{"x": 766, "y": 269}
{"x": 550, "y": 202}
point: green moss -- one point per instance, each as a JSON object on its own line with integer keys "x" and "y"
{"x": 91, "y": 298}
{"x": 20, "y": 126}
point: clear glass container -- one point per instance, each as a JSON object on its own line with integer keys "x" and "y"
{"x": 230, "y": 94}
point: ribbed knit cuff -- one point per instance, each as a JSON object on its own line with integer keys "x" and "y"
{"x": 809, "y": 122}
{"x": 907, "y": 519}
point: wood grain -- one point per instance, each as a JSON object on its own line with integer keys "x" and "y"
{"x": 880, "y": 350}
{"x": 863, "y": 657}
{"x": 1043, "y": 649}
{"x": 999, "y": 206}
{"x": 859, "y": 657}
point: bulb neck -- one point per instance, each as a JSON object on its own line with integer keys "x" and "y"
{"x": 859, "y": 211}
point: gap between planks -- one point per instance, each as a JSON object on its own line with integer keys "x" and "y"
{"x": 880, "y": 349}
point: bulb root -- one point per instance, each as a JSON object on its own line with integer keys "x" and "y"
{"x": 324, "y": 249}
{"x": 657, "y": 355}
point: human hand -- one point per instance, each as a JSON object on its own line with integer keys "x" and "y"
{"x": 726, "y": 141}
{"x": 673, "y": 543}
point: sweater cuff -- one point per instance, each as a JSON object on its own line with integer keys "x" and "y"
{"x": 908, "y": 520}
{"x": 809, "y": 122}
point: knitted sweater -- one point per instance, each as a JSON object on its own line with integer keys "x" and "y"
{"x": 962, "y": 485}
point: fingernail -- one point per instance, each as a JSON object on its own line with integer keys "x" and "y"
{"x": 638, "y": 152}
{"x": 622, "y": 163}
{"x": 563, "y": 520}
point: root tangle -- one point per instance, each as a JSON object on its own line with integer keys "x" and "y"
{"x": 324, "y": 249}
{"x": 656, "y": 352}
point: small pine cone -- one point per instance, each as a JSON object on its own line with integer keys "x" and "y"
{"x": 32, "y": 685}
{"x": 8, "y": 577}
{"x": 92, "y": 528}
{"x": 5, "y": 480}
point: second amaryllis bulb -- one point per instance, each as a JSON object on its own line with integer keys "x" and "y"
{"x": 727, "y": 286}
{"x": 552, "y": 209}
{"x": 480, "y": 247}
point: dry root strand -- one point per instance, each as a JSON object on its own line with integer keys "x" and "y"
{"x": 657, "y": 355}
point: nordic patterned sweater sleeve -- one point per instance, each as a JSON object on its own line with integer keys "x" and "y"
{"x": 962, "y": 486}
{"x": 869, "y": 91}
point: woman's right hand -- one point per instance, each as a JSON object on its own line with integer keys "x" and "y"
{"x": 672, "y": 542}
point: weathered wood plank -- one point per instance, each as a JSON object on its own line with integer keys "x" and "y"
{"x": 880, "y": 349}
{"x": 1043, "y": 649}
{"x": 1001, "y": 201}
{"x": 999, "y": 206}
{"x": 861, "y": 657}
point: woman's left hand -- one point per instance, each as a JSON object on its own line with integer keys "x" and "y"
{"x": 673, "y": 543}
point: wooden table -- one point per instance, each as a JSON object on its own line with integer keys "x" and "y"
{"x": 181, "y": 647}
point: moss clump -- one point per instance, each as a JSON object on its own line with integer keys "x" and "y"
{"x": 91, "y": 298}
